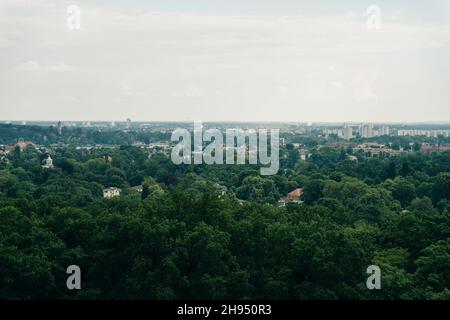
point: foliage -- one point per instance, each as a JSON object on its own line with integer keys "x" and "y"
{"x": 181, "y": 238}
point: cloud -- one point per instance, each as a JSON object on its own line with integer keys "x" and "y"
{"x": 170, "y": 66}
{"x": 36, "y": 66}
{"x": 60, "y": 67}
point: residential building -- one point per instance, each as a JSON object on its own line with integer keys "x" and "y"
{"x": 348, "y": 132}
{"x": 220, "y": 189}
{"x": 366, "y": 130}
{"x": 292, "y": 197}
{"x": 384, "y": 131}
{"x": 428, "y": 148}
{"x": 24, "y": 144}
{"x": 47, "y": 163}
{"x": 111, "y": 192}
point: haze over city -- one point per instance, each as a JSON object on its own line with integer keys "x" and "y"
{"x": 225, "y": 61}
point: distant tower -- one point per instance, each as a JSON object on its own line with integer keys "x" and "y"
{"x": 113, "y": 124}
{"x": 60, "y": 127}
{"x": 128, "y": 123}
{"x": 370, "y": 130}
{"x": 309, "y": 126}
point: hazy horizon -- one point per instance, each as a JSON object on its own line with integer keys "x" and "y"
{"x": 288, "y": 122}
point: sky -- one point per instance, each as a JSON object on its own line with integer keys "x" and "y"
{"x": 211, "y": 60}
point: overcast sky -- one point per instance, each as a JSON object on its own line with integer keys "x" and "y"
{"x": 211, "y": 60}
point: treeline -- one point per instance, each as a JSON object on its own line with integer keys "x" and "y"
{"x": 9, "y": 135}
{"x": 181, "y": 238}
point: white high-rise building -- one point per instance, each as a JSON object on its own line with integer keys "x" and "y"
{"x": 348, "y": 132}
{"x": 370, "y": 129}
{"x": 384, "y": 131}
{"x": 363, "y": 131}
{"x": 366, "y": 130}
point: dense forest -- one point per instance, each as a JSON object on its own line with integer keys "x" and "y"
{"x": 180, "y": 238}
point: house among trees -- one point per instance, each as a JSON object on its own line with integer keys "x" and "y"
{"x": 48, "y": 163}
{"x": 220, "y": 189}
{"x": 292, "y": 197}
{"x": 137, "y": 189}
{"x": 111, "y": 192}
{"x": 428, "y": 148}
{"x": 22, "y": 145}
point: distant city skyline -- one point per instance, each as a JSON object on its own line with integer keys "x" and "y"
{"x": 289, "y": 122}
{"x": 114, "y": 123}
{"x": 225, "y": 61}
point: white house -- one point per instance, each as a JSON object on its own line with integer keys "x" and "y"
{"x": 111, "y": 192}
{"x": 48, "y": 163}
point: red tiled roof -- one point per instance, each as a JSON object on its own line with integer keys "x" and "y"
{"x": 23, "y": 144}
{"x": 294, "y": 195}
